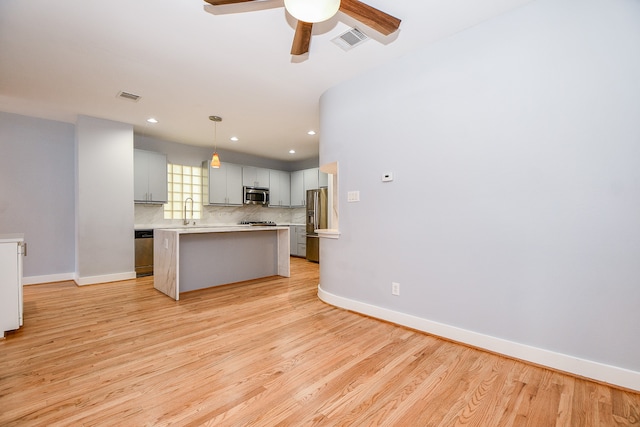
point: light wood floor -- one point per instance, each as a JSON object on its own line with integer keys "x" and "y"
{"x": 265, "y": 353}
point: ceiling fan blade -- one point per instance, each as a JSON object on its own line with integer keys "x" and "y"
{"x": 224, "y": 2}
{"x": 225, "y": 7}
{"x": 370, "y": 16}
{"x": 302, "y": 38}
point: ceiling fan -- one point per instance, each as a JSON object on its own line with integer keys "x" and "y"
{"x": 308, "y": 12}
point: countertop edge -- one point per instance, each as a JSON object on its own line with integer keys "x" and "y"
{"x": 178, "y": 227}
{"x": 222, "y": 229}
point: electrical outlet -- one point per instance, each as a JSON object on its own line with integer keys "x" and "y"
{"x": 395, "y": 288}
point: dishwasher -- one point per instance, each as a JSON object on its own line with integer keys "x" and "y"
{"x": 144, "y": 252}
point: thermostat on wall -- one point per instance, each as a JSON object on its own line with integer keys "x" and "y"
{"x": 387, "y": 176}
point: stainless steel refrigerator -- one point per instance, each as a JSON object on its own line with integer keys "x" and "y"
{"x": 316, "y": 218}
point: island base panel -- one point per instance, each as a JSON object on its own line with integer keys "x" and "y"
{"x": 226, "y": 258}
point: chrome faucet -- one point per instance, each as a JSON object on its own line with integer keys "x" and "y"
{"x": 186, "y": 221}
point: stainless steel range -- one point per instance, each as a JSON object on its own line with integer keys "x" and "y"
{"x": 258, "y": 223}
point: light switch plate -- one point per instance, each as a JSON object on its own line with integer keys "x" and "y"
{"x": 387, "y": 176}
{"x": 353, "y": 196}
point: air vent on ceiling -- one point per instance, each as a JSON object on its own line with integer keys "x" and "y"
{"x": 350, "y": 39}
{"x": 129, "y": 96}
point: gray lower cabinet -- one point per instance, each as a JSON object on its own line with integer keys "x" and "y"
{"x": 298, "y": 240}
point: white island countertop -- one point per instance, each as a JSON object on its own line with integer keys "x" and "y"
{"x": 190, "y": 258}
{"x": 205, "y": 226}
{"x": 194, "y": 229}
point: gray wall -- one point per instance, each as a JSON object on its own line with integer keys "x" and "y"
{"x": 37, "y": 191}
{"x": 515, "y": 208}
{"x": 104, "y": 200}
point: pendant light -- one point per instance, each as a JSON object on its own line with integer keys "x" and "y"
{"x": 215, "y": 160}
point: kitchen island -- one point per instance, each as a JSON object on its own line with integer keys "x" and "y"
{"x": 186, "y": 259}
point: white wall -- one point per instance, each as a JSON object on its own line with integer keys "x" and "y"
{"x": 36, "y": 193}
{"x": 514, "y": 216}
{"x": 104, "y": 201}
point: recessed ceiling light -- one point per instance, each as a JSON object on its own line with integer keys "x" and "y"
{"x": 152, "y": 120}
{"x": 234, "y": 138}
{"x": 311, "y": 132}
{"x": 292, "y": 151}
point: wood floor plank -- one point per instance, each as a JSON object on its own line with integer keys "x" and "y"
{"x": 264, "y": 353}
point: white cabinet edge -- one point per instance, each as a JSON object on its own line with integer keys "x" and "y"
{"x": 12, "y": 238}
{"x": 328, "y": 233}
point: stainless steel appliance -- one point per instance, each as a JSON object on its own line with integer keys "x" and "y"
{"x": 144, "y": 252}
{"x": 259, "y": 223}
{"x": 256, "y": 196}
{"x": 316, "y": 219}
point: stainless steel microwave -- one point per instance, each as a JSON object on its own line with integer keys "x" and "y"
{"x": 256, "y": 196}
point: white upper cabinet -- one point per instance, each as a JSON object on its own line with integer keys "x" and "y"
{"x": 225, "y": 184}
{"x": 310, "y": 179}
{"x": 323, "y": 179}
{"x": 149, "y": 177}
{"x": 255, "y": 177}
{"x": 307, "y": 179}
{"x": 297, "y": 189}
{"x": 279, "y": 188}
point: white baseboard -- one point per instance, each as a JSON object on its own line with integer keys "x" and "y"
{"x": 92, "y": 280}
{"x": 34, "y": 280}
{"x": 584, "y": 368}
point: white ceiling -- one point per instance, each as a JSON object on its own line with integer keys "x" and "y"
{"x": 189, "y": 60}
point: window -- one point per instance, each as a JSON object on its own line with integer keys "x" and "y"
{"x": 183, "y": 182}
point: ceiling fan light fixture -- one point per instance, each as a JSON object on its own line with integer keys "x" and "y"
{"x": 312, "y": 10}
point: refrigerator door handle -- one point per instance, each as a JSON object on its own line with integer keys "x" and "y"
{"x": 315, "y": 211}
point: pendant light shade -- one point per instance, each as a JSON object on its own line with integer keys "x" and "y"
{"x": 215, "y": 159}
{"x": 312, "y": 10}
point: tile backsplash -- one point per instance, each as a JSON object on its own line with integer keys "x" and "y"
{"x": 153, "y": 215}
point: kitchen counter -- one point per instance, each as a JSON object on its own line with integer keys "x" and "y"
{"x": 180, "y": 227}
{"x": 190, "y": 258}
